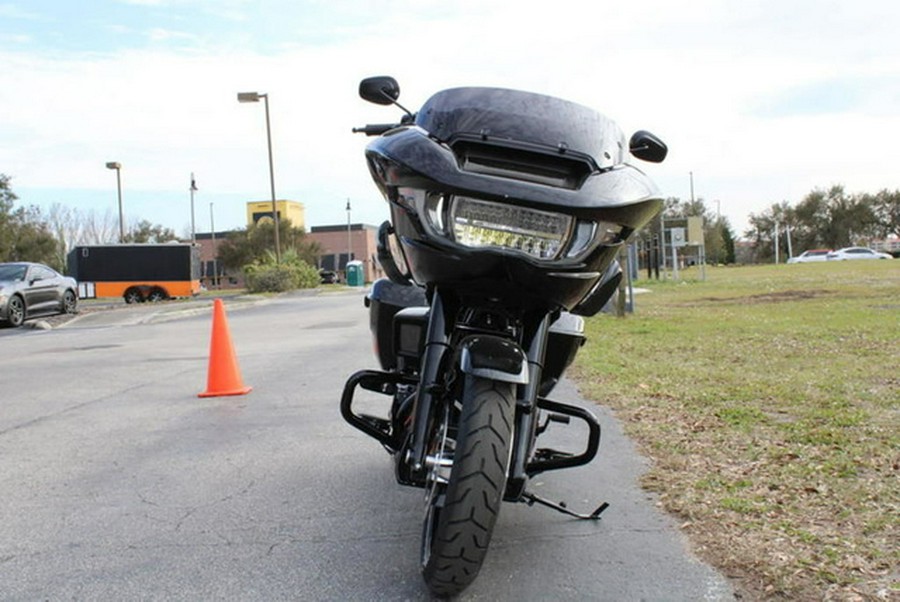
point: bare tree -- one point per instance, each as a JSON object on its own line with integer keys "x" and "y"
{"x": 100, "y": 229}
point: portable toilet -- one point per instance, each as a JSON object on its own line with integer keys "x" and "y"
{"x": 356, "y": 276}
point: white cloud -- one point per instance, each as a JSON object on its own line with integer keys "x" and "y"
{"x": 14, "y": 11}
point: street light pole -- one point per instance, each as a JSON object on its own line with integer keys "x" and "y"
{"x": 692, "y": 187}
{"x": 212, "y": 229}
{"x": 118, "y": 167}
{"x": 193, "y": 227}
{"x": 349, "y": 239}
{"x": 254, "y": 97}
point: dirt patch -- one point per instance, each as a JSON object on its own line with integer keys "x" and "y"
{"x": 777, "y": 297}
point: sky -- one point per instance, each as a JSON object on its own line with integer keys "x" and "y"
{"x": 760, "y": 102}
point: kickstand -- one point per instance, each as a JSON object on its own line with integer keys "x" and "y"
{"x": 561, "y": 507}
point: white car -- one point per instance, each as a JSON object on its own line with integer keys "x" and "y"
{"x": 856, "y": 253}
{"x": 810, "y": 256}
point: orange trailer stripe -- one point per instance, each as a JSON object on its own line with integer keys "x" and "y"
{"x": 175, "y": 288}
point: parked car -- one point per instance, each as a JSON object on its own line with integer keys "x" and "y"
{"x": 856, "y": 253}
{"x": 28, "y": 290}
{"x": 328, "y": 277}
{"x": 810, "y": 256}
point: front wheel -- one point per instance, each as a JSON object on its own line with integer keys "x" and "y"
{"x": 69, "y": 302}
{"x": 15, "y": 311}
{"x": 462, "y": 505}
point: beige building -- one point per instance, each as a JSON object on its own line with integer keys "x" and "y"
{"x": 261, "y": 211}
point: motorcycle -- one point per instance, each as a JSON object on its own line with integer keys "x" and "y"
{"x": 508, "y": 210}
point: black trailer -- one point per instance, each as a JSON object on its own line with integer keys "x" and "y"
{"x": 136, "y": 272}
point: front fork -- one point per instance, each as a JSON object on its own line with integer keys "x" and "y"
{"x": 526, "y": 417}
{"x": 437, "y": 344}
{"x": 486, "y": 356}
{"x": 525, "y": 431}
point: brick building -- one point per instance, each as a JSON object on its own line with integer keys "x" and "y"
{"x": 339, "y": 244}
{"x": 342, "y": 243}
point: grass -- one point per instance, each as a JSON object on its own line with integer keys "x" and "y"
{"x": 768, "y": 399}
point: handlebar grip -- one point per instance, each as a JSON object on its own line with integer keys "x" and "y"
{"x": 374, "y": 129}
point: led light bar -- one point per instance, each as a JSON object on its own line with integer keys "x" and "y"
{"x": 540, "y": 234}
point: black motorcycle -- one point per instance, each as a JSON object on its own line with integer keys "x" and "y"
{"x": 508, "y": 210}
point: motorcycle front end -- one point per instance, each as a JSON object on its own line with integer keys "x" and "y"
{"x": 507, "y": 212}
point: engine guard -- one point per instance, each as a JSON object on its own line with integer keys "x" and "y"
{"x": 551, "y": 459}
{"x": 384, "y": 383}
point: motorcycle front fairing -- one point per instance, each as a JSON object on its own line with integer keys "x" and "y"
{"x": 620, "y": 195}
{"x": 515, "y": 149}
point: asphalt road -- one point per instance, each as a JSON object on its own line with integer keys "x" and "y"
{"x": 117, "y": 482}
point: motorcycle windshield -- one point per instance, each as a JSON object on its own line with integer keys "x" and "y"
{"x": 523, "y": 119}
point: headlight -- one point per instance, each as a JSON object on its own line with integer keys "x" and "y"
{"x": 478, "y": 223}
{"x": 540, "y": 234}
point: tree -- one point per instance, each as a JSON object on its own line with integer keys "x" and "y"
{"x": 244, "y": 247}
{"x": 719, "y": 241}
{"x": 24, "y": 236}
{"x": 779, "y": 218}
{"x": 886, "y": 208}
{"x": 728, "y": 243}
{"x": 145, "y": 232}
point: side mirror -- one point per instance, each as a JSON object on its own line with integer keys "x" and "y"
{"x": 382, "y": 90}
{"x": 647, "y": 147}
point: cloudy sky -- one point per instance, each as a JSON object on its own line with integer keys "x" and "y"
{"x": 761, "y": 101}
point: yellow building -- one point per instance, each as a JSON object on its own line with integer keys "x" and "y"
{"x": 287, "y": 210}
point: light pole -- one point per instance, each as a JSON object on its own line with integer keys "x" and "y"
{"x": 254, "y": 97}
{"x": 692, "y": 187}
{"x": 118, "y": 167}
{"x": 193, "y": 227}
{"x": 212, "y": 229}
{"x": 349, "y": 239}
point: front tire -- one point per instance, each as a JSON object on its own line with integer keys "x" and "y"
{"x": 15, "y": 311}
{"x": 69, "y": 302}
{"x": 461, "y": 509}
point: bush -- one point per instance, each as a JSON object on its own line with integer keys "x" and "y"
{"x": 292, "y": 273}
{"x": 307, "y": 276}
{"x": 269, "y": 278}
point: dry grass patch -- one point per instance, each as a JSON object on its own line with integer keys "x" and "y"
{"x": 767, "y": 398}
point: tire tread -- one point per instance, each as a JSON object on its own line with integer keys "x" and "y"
{"x": 475, "y": 489}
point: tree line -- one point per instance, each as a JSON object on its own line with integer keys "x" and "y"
{"x": 826, "y": 219}
{"x": 823, "y": 219}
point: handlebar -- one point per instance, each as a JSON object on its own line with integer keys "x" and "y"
{"x": 374, "y": 129}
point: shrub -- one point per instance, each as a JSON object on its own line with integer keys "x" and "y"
{"x": 268, "y": 277}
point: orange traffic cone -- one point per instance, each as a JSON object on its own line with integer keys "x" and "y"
{"x": 224, "y": 376}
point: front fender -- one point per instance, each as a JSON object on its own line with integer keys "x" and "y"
{"x": 494, "y": 358}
